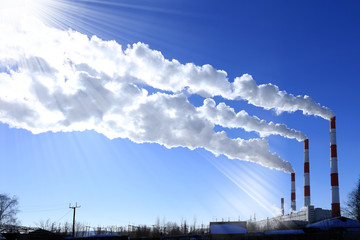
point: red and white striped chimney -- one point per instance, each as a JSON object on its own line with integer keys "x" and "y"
{"x": 293, "y": 197}
{"x": 335, "y": 197}
{"x": 306, "y": 174}
{"x": 282, "y": 206}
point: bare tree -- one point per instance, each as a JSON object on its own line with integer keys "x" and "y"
{"x": 156, "y": 230}
{"x": 43, "y": 224}
{"x": 51, "y": 226}
{"x": 352, "y": 208}
{"x": 172, "y": 228}
{"x": 99, "y": 230}
{"x": 8, "y": 210}
{"x": 193, "y": 227}
{"x": 66, "y": 228}
{"x": 184, "y": 227}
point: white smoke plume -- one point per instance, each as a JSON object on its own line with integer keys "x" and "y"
{"x": 53, "y": 80}
{"x": 209, "y": 82}
{"x": 150, "y": 67}
{"x": 268, "y": 96}
{"x": 225, "y": 116}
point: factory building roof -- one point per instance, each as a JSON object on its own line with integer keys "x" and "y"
{"x": 338, "y": 222}
{"x": 228, "y": 228}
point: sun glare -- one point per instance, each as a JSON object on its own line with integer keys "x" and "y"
{"x": 17, "y": 11}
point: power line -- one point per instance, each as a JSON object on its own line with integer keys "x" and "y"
{"x": 63, "y": 216}
{"x": 41, "y": 210}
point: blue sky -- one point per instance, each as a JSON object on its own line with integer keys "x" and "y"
{"x": 303, "y": 47}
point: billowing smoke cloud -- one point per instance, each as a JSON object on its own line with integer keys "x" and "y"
{"x": 53, "y": 80}
{"x": 149, "y": 67}
{"x": 208, "y": 82}
{"x": 225, "y": 116}
{"x": 269, "y": 96}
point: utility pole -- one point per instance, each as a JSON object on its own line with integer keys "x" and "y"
{"x": 74, "y": 208}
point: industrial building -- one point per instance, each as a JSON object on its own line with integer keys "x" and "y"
{"x": 308, "y": 214}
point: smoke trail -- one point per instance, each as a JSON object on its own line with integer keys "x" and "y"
{"x": 269, "y": 96}
{"x": 53, "y": 80}
{"x": 146, "y": 66}
{"x": 225, "y": 116}
{"x": 209, "y": 82}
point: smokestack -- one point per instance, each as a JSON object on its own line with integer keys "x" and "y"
{"x": 282, "y": 206}
{"x": 335, "y": 198}
{"x": 293, "y": 198}
{"x": 306, "y": 174}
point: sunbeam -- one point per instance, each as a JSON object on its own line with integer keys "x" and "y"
{"x": 111, "y": 102}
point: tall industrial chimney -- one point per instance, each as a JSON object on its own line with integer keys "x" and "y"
{"x": 306, "y": 174}
{"x": 293, "y": 197}
{"x": 282, "y": 206}
{"x": 335, "y": 198}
